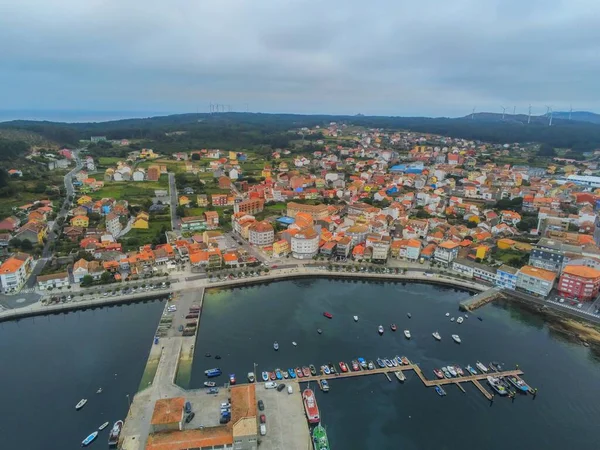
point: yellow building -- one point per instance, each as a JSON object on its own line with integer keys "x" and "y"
{"x": 184, "y": 201}
{"x": 148, "y": 153}
{"x": 266, "y": 173}
{"x": 481, "y": 251}
{"x": 505, "y": 244}
{"x": 281, "y": 248}
{"x": 232, "y": 156}
{"x": 141, "y": 221}
{"x": 80, "y": 221}
{"x": 84, "y": 199}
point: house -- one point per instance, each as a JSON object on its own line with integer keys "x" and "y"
{"x": 14, "y": 272}
{"x": 80, "y": 221}
{"x": 250, "y": 206}
{"x": 15, "y": 173}
{"x": 281, "y": 248}
{"x": 34, "y": 232}
{"x": 53, "y": 281}
{"x": 141, "y": 222}
{"x": 579, "y": 283}
{"x": 506, "y": 277}
{"x": 153, "y": 173}
{"x": 10, "y": 223}
{"x": 73, "y": 233}
{"x": 195, "y": 223}
{"x": 113, "y": 224}
{"x": 202, "y": 200}
{"x": 212, "y": 219}
{"x": 474, "y": 270}
{"x": 184, "y": 201}
{"x": 139, "y": 174}
{"x": 261, "y": 234}
{"x": 344, "y": 247}
{"x": 305, "y": 243}
{"x": 535, "y": 280}
{"x": 552, "y": 255}
{"x": 446, "y": 252}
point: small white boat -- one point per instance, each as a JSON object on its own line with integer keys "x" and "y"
{"x": 407, "y": 334}
{"x": 251, "y": 378}
{"x": 355, "y": 318}
{"x": 456, "y": 338}
{"x": 81, "y": 403}
{"x": 275, "y": 346}
{"x": 103, "y": 426}
{"x": 481, "y": 367}
{"x": 400, "y": 375}
{"x": 466, "y": 316}
{"x": 437, "y": 336}
{"x": 294, "y": 343}
{"x": 99, "y": 391}
{"x": 452, "y": 320}
{"x": 380, "y": 329}
{"x": 210, "y": 384}
{"x": 447, "y": 314}
{"x": 460, "y": 320}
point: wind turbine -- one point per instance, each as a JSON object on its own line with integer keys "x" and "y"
{"x": 514, "y": 110}
{"x": 570, "y": 112}
{"x": 550, "y": 113}
{"x": 473, "y": 114}
{"x": 503, "y": 111}
{"x": 529, "y": 115}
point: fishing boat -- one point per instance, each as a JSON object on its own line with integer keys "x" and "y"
{"x": 521, "y": 386}
{"x": 115, "y": 432}
{"x": 332, "y": 368}
{"x": 460, "y": 372}
{"x": 481, "y": 367}
{"x": 438, "y": 373}
{"x": 460, "y": 320}
{"x": 355, "y": 366}
{"x": 217, "y": 356}
{"x": 313, "y": 369}
{"x": 310, "y": 406}
{"x": 497, "y": 385}
{"x": 319, "y": 331}
{"x": 393, "y": 327}
{"x": 362, "y": 362}
{"x": 380, "y": 363}
{"x": 81, "y": 404}
{"x": 441, "y": 392}
{"x": 452, "y": 319}
{"x": 232, "y": 378}
{"x": 265, "y": 376}
{"x": 278, "y": 374}
{"x": 371, "y": 365}
{"x": 407, "y": 334}
{"x": 436, "y": 336}
{"x": 380, "y": 330}
{"x": 299, "y": 373}
{"x": 292, "y": 373}
{"x": 305, "y": 371}
{"x": 399, "y": 359}
{"x": 447, "y": 314}
{"x": 103, "y": 426}
{"x": 355, "y": 318}
{"x": 495, "y": 365}
{"x": 405, "y": 360}
{"x": 88, "y": 440}
{"x": 328, "y": 315}
{"x": 272, "y": 375}
{"x": 324, "y": 385}
{"x": 99, "y": 391}
{"x": 387, "y": 362}
{"x": 319, "y": 437}
{"x": 446, "y": 373}
{"x": 409, "y": 315}
{"x": 343, "y": 366}
{"x": 326, "y": 370}
{"x": 472, "y": 370}
{"x": 452, "y": 371}
{"x": 400, "y": 375}
{"x": 456, "y": 338}
{"x": 275, "y": 346}
{"x": 251, "y": 377}
{"x": 294, "y": 343}
{"x": 210, "y": 384}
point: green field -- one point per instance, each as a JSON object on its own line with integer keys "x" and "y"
{"x": 131, "y": 191}
{"x": 108, "y": 161}
{"x": 146, "y": 236}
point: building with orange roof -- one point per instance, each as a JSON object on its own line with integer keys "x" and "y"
{"x": 261, "y": 233}
{"x": 80, "y": 221}
{"x": 305, "y": 243}
{"x": 315, "y": 211}
{"x": 535, "y": 280}
{"x": 249, "y": 206}
{"x": 14, "y": 272}
{"x": 281, "y": 248}
{"x": 446, "y": 252}
{"x": 168, "y": 414}
{"x": 579, "y": 282}
{"x": 212, "y": 220}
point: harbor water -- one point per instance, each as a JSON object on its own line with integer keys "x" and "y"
{"x": 368, "y": 412}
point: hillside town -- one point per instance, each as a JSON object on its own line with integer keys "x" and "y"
{"x": 359, "y": 199}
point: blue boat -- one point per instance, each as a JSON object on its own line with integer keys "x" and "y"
{"x": 210, "y": 373}
{"x": 440, "y": 391}
{"x": 292, "y": 373}
{"x": 265, "y": 376}
{"x": 380, "y": 362}
{"x": 362, "y": 363}
{"x": 88, "y": 440}
{"x": 278, "y": 374}
{"x": 326, "y": 369}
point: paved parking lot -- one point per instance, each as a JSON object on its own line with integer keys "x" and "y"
{"x": 206, "y": 407}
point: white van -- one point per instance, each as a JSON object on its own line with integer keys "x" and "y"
{"x": 263, "y": 429}
{"x": 290, "y": 390}
{"x": 270, "y": 385}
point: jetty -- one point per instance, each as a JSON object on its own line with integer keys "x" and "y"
{"x": 483, "y": 298}
{"x": 475, "y": 379}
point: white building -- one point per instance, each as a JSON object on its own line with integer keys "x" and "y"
{"x": 536, "y": 281}
{"x": 55, "y": 280}
{"x": 113, "y": 225}
{"x": 446, "y": 252}
{"x": 305, "y": 243}
{"x": 261, "y": 234}
{"x": 14, "y": 272}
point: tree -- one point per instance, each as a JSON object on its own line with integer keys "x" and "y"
{"x": 106, "y": 278}
{"x": 87, "y": 280}
{"x": 195, "y": 157}
{"x": 546, "y": 150}
{"x": 26, "y": 245}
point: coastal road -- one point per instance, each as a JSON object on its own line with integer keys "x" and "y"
{"x": 174, "y": 202}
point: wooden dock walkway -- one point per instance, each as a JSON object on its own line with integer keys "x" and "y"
{"x": 475, "y": 379}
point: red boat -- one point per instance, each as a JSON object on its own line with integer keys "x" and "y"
{"x": 393, "y": 327}
{"x": 405, "y": 361}
{"x": 355, "y": 366}
{"x": 272, "y": 375}
{"x": 306, "y": 371}
{"x": 438, "y": 373}
{"x": 299, "y": 372}
{"x": 310, "y": 406}
{"x": 343, "y": 366}
{"x": 328, "y": 315}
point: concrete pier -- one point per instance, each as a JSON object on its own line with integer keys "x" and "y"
{"x": 481, "y": 299}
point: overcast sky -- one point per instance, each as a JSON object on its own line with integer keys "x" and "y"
{"x": 425, "y": 57}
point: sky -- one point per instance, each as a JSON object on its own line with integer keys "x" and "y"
{"x": 377, "y": 57}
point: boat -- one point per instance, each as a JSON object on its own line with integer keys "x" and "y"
{"x": 446, "y": 373}
{"x": 285, "y": 374}
{"x": 387, "y": 362}
{"x": 319, "y": 437}
{"x": 380, "y": 329}
{"x": 456, "y": 338}
{"x": 460, "y": 320}
{"x": 480, "y": 319}
{"x": 405, "y": 360}
{"x": 294, "y": 343}
{"x": 343, "y": 366}
{"x": 371, "y": 365}
{"x": 472, "y": 370}
{"x": 208, "y": 355}
{"x": 275, "y": 346}
{"x": 495, "y": 365}
{"x": 217, "y": 356}
{"x": 88, "y": 440}
{"x": 441, "y": 392}
{"x": 299, "y": 373}
{"x": 438, "y": 373}
{"x": 99, "y": 391}
{"x": 251, "y": 377}
{"x": 393, "y": 327}
{"x": 324, "y": 385}
{"x": 332, "y": 368}
{"x": 362, "y": 362}
{"x": 380, "y": 362}
{"x": 232, "y": 378}
{"x": 497, "y": 385}
{"x": 81, "y": 404}
{"x": 319, "y": 331}
{"x": 355, "y": 318}
{"x": 328, "y": 315}
{"x": 113, "y": 437}
{"x": 278, "y": 374}
{"x": 400, "y": 375}
{"x": 103, "y": 426}
{"x": 272, "y": 375}
{"x": 437, "y": 336}
{"x": 452, "y": 371}
{"x": 521, "y": 386}
{"x": 407, "y": 334}
{"x": 399, "y": 359}
{"x": 460, "y": 372}
{"x": 481, "y": 367}
{"x": 466, "y": 316}
{"x": 355, "y": 366}
{"x": 395, "y": 362}
{"x": 210, "y": 384}
{"x": 310, "y": 406}
{"x": 265, "y": 376}
{"x": 447, "y": 314}
{"x": 326, "y": 370}
{"x": 212, "y": 390}
{"x": 452, "y": 319}
{"x": 306, "y": 371}
{"x": 292, "y": 373}
{"x": 313, "y": 370}
{"x": 409, "y": 315}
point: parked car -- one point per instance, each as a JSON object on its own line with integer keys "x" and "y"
{"x": 281, "y": 387}
{"x": 263, "y": 418}
{"x": 290, "y": 390}
{"x": 190, "y": 417}
{"x": 263, "y": 429}
{"x": 270, "y": 385}
{"x": 261, "y": 405}
{"x": 188, "y": 407}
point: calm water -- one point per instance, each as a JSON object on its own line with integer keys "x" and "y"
{"x": 369, "y": 412}
{"x": 50, "y": 363}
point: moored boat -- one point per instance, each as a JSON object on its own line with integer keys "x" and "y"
{"x": 447, "y": 314}
{"x": 388, "y": 362}
{"x": 497, "y": 385}
{"x": 310, "y": 406}
{"x": 356, "y": 318}
{"x": 319, "y": 437}
{"x": 472, "y": 370}
{"x": 272, "y": 375}
{"x": 405, "y": 361}
{"x": 232, "y": 378}
{"x": 380, "y": 329}
{"x": 319, "y": 331}
{"x": 362, "y": 362}
{"x": 380, "y": 363}
{"x": 460, "y": 320}
{"x": 88, "y": 440}
{"x": 355, "y": 366}
{"x": 481, "y": 367}
{"x": 400, "y": 375}
{"x": 456, "y": 338}
{"x": 452, "y": 370}
{"x": 275, "y": 346}
{"x": 328, "y": 315}
{"x": 438, "y": 373}
{"x": 299, "y": 373}
{"x": 115, "y": 432}
{"x": 285, "y": 374}
{"x": 441, "y": 392}
{"x": 495, "y": 365}
{"x": 399, "y": 359}
{"x": 305, "y": 371}
{"x": 436, "y": 336}
{"x": 395, "y": 362}
{"x": 332, "y": 368}
{"x": 343, "y": 366}
{"x": 407, "y": 334}
{"x": 313, "y": 369}
{"x": 409, "y": 315}
{"x": 459, "y": 371}
{"x": 103, "y": 426}
{"x": 452, "y": 319}
{"x": 393, "y": 327}
{"x": 292, "y": 373}
{"x": 446, "y": 373}
{"x": 81, "y": 404}
{"x": 278, "y": 374}
{"x": 265, "y": 376}
{"x": 371, "y": 365}
{"x": 518, "y": 382}
{"x": 326, "y": 370}
{"x": 251, "y": 377}
{"x": 324, "y": 385}
{"x": 209, "y": 384}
